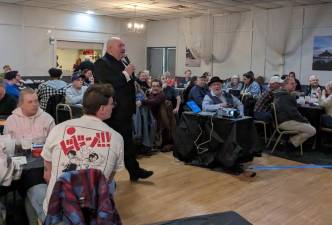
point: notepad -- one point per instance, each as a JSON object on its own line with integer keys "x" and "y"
{"x": 22, "y": 160}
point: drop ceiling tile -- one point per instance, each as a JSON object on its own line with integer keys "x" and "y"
{"x": 162, "y": 8}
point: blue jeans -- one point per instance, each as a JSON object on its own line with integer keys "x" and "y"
{"x": 35, "y": 198}
{"x": 264, "y": 116}
{"x": 34, "y": 202}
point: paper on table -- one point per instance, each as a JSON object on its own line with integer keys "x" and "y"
{"x": 22, "y": 160}
{"x": 7, "y": 145}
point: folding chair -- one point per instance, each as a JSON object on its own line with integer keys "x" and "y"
{"x": 264, "y": 127}
{"x": 323, "y": 130}
{"x": 279, "y": 131}
{"x": 63, "y": 112}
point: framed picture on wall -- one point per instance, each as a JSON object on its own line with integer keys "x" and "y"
{"x": 191, "y": 60}
{"x": 322, "y": 57}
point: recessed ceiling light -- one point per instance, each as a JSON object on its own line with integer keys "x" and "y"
{"x": 90, "y": 12}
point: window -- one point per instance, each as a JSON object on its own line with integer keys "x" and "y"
{"x": 160, "y": 60}
{"x": 69, "y": 53}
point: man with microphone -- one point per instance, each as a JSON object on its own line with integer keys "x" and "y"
{"x": 115, "y": 68}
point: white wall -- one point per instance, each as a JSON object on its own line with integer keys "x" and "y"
{"x": 249, "y": 48}
{"x": 66, "y": 58}
{"x": 24, "y": 39}
{"x": 166, "y": 33}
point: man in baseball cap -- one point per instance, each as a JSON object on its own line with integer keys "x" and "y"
{"x": 262, "y": 110}
{"x": 75, "y": 92}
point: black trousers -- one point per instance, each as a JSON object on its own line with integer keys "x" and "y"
{"x": 28, "y": 179}
{"x": 125, "y": 129}
{"x": 326, "y": 121}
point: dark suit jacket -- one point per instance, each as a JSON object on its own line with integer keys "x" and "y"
{"x": 308, "y": 91}
{"x": 124, "y": 91}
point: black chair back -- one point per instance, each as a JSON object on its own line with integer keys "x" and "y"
{"x": 235, "y": 93}
{"x": 249, "y": 104}
{"x": 52, "y": 102}
{"x": 63, "y": 113}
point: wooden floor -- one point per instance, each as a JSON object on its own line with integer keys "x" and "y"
{"x": 288, "y": 197}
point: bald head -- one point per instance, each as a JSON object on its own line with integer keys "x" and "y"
{"x": 116, "y": 48}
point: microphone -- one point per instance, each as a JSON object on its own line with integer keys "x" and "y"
{"x": 125, "y": 60}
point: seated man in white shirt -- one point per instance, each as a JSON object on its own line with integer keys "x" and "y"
{"x": 86, "y": 142}
{"x": 217, "y": 98}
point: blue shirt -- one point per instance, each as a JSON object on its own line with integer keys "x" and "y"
{"x": 13, "y": 90}
{"x": 253, "y": 89}
{"x": 197, "y": 94}
{"x": 74, "y": 96}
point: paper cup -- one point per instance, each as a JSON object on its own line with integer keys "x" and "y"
{"x": 26, "y": 143}
{"x": 36, "y": 152}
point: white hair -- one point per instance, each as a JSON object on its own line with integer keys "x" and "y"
{"x": 313, "y": 77}
{"x": 23, "y": 93}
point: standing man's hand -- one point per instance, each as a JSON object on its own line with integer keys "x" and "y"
{"x": 130, "y": 69}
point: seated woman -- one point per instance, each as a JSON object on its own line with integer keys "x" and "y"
{"x": 142, "y": 81}
{"x": 88, "y": 77}
{"x": 251, "y": 87}
{"x": 217, "y": 99}
{"x": 298, "y": 84}
{"x": 235, "y": 83}
{"x": 325, "y": 100}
